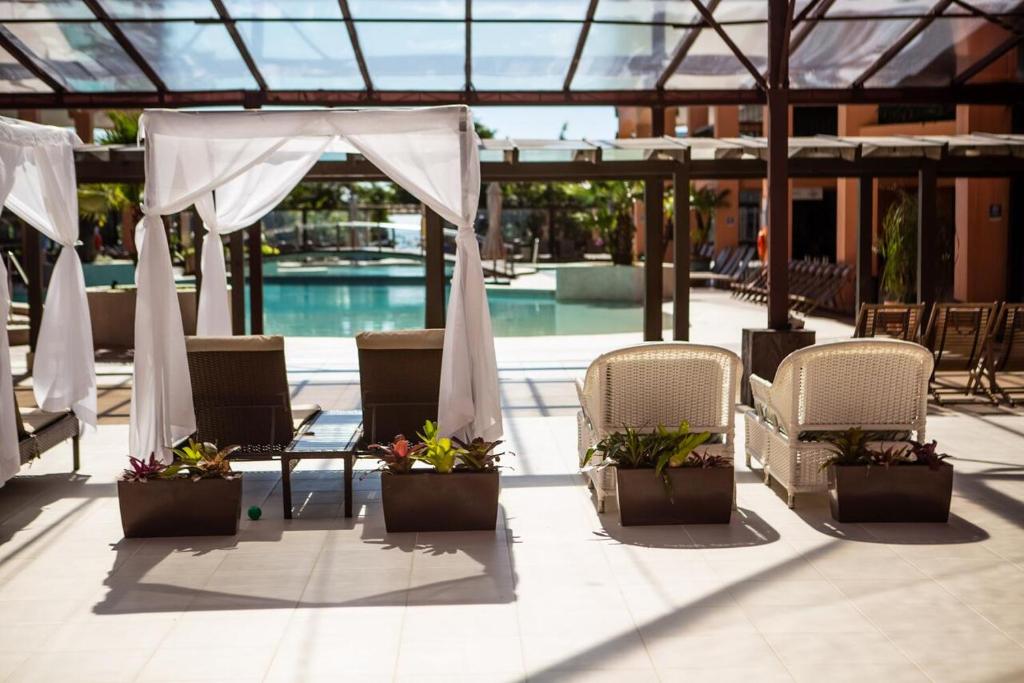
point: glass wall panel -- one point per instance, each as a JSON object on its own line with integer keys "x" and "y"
{"x": 48, "y": 9}
{"x": 159, "y": 9}
{"x": 836, "y": 53}
{"x": 407, "y": 9}
{"x": 501, "y": 61}
{"x": 414, "y": 56}
{"x": 83, "y": 55}
{"x": 625, "y": 56}
{"x": 288, "y": 9}
{"x": 302, "y": 55}
{"x": 569, "y": 10}
{"x": 191, "y": 56}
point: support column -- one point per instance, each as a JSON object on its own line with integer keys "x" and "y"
{"x": 865, "y": 289}
{"x": 654, "y": 221}
{"x": 681, "y": 254}
{"x": 256, "y": 278}
{"x": 237, "y": 283}
{"x": 197, "y": 241}
{"x": 434, "y": 257}
{"x": 32, "y": 262}
{"x": 927, "y": 252}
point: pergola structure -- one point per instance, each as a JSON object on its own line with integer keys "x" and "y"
{"x": 657, "y": 161}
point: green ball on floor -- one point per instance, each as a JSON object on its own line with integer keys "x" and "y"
{"x": 255, "y": 512}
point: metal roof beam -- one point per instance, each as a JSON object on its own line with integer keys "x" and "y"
{"x": 758, "y": 78}
{"x": 469, "y": 46}
{"x": 683, "y": 49}
{"x": 21, "y": 53}
{"x": 357, "y": 50}
{"x": 904, "y": 40}
{"x": 808, "y": 21}
{"x": 578, "y": 52}
{"x": 126, "y": 45}
{"x": 229, "y": 24}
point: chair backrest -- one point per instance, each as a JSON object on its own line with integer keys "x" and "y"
{"x": 1008, "y": 338}
{"x": 879, "y": 384}
{"x": 663, "y": 383}
{"x": 399, "y": 380}
{"x": 240, "y": 390}
{"x": 897, "y": 321}
{"x": 957, "y": 334}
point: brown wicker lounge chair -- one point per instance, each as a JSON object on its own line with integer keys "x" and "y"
{"x": 399, "y": 380}
{"x": 241, "y": 395}
{"x": 898, "y": 321}
{"x": 39, "y": 431}
{"x": 957, "y": 336}
{"x": 1004, "y": 367}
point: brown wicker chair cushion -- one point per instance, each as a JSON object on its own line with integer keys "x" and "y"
{"x": 399, "y": 379}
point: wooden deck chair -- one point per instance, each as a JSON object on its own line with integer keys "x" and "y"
{"x": 241, "y": 394}
{"x": 1004, "y": 366}
{"x": 399, "y": 381}
{"x": 957, "y": 335}
{"x": 896, "y": 321}
{"x": 39, "y": 431}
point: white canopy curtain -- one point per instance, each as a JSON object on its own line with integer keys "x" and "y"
{"x": 39, "y": 186}
{"x": 235, "y": 167}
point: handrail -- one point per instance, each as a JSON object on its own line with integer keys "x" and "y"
{"x": 17, "y": 266}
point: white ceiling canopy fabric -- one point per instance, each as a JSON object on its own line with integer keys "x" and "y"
{"x": 235, "y": 167}
{"x": 39, "y": 169}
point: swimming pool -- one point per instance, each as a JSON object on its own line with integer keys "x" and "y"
{"x": 333, "y": 301}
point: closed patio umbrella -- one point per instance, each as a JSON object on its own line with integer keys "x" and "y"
{"x": 494, "y": 244}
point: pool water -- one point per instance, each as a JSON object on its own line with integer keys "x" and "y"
{"x": 331, "y": 308}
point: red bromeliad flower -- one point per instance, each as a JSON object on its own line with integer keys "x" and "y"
{"x": 397, "y": 456}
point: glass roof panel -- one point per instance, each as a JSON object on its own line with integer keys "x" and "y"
{"x": 891, "y": 8}
{"x": 710, "y": 64}
{"x": 45, "y": 9}
{"x": 414, "y": 56}
{"x": 302, "y": 55}
{"x": 569, "y": 10}
{"x": 191, "y": 56}
{"x": 290, "y": 9}
{"x": 668, "y": 11}
{"x": 745, "y": 10}
{"x": 625, "y": 56}
{"x": 501, "y": 63}
{"x": 15, "y": 78}
{"x": 837, "y": 53}
{"x": 407, "y": 9}
{"x": 990, "y": 6}
{"x": 941, "y": 51}
{"x": 159, "y": 9}
{"x": 83, "y": 55}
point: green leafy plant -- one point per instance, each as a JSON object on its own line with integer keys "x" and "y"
{"x": 609, "y": 210}
{"x": 398, "y": 456}
{"x": 478, "y": 455}
{"x": 205, "y": 461}
{"x": 627, "y": 449}
{"x": 897, "y": 245}
{"x": 144, "y": 470}
{"x": 705, "y": 201}
{"x": 438, "y": 451}
{"x": 675, "y": 448}
{"x": 854, "y": 447}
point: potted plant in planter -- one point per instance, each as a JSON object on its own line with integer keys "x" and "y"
{"x": 903, "y": 482}
{"x": 197, "y": 494}
{"x": 457, "y": 492}
{"x": 661, "y": 480}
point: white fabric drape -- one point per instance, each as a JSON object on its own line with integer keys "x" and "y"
{"x": 235, "y": 166}
{"x": 43, "y": 192}
{"x": 10, "y": 456}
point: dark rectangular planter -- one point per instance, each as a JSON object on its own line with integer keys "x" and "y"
{"x": 900, "y": 493}
{"x": 180, "y": 507}
{"x": 700, "y": 495}
{"x": 423, "y": 500}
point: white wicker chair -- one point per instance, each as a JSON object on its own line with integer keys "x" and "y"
{"x": 875, "y": 384}
{"x": 659, "y": 383}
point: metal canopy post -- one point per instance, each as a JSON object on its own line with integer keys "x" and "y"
{"x": 654, "y": 219}
{"x": 256, "y": 278}
{"x": 778, "y": 172}
{"x": 237, "y": 284}
{"x": 927, "y": 246}
{"x": 865, "y": 289}
{"x": 681, "y": 255}
{"x": 434, "y": 258}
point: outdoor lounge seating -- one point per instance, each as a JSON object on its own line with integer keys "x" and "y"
{"x": 39, "y": 431}
{"x": 957, "y": 335}
{"x": 811, "y": 286}
{"x": 897, "y": 321}
{"x": 399, "y": 378}
{"x": 241, "y": 395}
{"x": 879, "y": 385}
{"x": 658, "y": 384}
{"x": 1004, "y": 366}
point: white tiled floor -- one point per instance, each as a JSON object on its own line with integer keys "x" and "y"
{"x": 557, "y": 593}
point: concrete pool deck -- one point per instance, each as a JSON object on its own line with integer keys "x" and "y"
{"x": 558, "y": 593}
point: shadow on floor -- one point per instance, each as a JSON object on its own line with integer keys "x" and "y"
{"x": 745, "y": 529}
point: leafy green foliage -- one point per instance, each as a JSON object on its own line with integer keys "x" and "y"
{"x": 897, "y": 245}
{"x": 398, "y": 456}
{"x": 438, "y": 451}
{"x": 854, "y": 447}
{"x": 205, "y": 460}
{"x": 478, "y": 455}
{"x": 608, "y": 209}
{"x": 675, "y": 448}
{"x": 704, "y": 201}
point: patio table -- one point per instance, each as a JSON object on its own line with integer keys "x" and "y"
{"x": 332, "y": 434}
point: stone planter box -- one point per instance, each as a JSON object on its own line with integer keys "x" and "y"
{"x": 901, "y": 493}
{"x": 423, "y": 500}
{"x": 113, "y": 316}
{"x": 699, "y": 496}
{"x": 180, "y": 507}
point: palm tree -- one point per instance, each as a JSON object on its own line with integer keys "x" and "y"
{"x": 705, "y": 201}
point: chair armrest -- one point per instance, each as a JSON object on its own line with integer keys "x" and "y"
{"x": 587, "y": 413}
{"x": 761, "y": 392}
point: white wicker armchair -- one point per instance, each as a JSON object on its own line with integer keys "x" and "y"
{"x": 875, "y": 384}
{"x": 660, "y": 383}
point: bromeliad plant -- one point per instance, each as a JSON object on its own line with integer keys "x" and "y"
{"x": 144, "y": 470}
{"x": 445, "y": 455}
{"x": 398, "y": 456}
{"x": 855, "y": 447}
{"x": 195, "y": 461}
{"x": 478, "y": 455}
